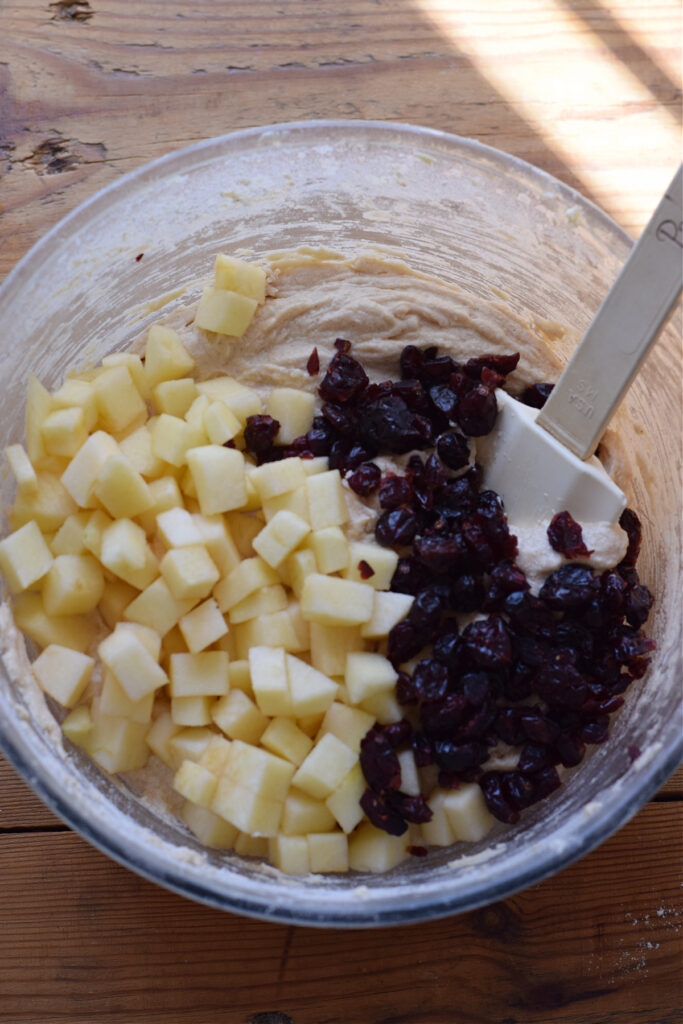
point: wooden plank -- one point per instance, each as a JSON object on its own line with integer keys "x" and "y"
{"x": 83, "y": 938}
{"x": 87, "y": 99}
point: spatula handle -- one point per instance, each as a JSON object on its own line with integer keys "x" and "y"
{"x": 626, "y": 325}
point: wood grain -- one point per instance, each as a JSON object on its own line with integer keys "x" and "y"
{"x": 88, "y": 96}
{"x": 95, "y": 941}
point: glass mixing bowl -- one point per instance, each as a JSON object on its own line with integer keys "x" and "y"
{"x": 456, "y": 209}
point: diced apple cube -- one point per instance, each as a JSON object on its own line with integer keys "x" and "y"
{"x": 326, "y": 501}
{"x": 224, "y": 312}
{"x": 297, "y": 567}
{"x": 239, "y": 718}
{"x": 69, "y": 537}
{"x": 239, "y": 276}
{"x": 262, "y": 602}
{"x": 118, "y": 744}
{"x": 215, "y": 755}
{"x": 325, "y": 767}
{"x": 348, "y": 724}
{"x": 24, "y": 557}
{"x": 165, "y": 494}
{"x": 122, "y": 490}
{"x": 300, "y": 627}
{"x": 64, "y": 431}
{"x": 367, "y": 675}
{"x": 83, "y": 472}
{"x": 195, "y": 783}
{"x": 293, "y": 501}
{"x": 191, "y": 711}
{"x": 276, "y": 478}
{"x": 303, "y": 814}
{"x": 289, "y": 854}
{"x": 252, "y": 789}
{"x": 240, "y": 676}
{"x": 137, "y": 448}
{"x": 243, "y": 401}
{"x": 188, "y": 744}
{"x": 133, "y": 362}
{"x": 202, "y": 626}
{"x": 344, "y": 802}
{"x": 328, "y": 852}
{"x": 277, "y": 629}
{"x": 166, "y": 358}
{"x": 243, "y": 528}
{"x": 371, "y": 850}
{"x": 467, "y": 813}
{"x": 74, "y": 631}
{"x": 77, "y": 726}
{"x": 115, "y": 701}
{"x": 268, "y": 671}
{"x": 410, "y": 779}
{"x": 311, "y": 692}
{"x": 218, "y": 541}
{"x": 218, "y": 475}
{"x": 161, "y": 731}
{"x": 38, "y": 407}
{"x": 388, "y": 609}
{"x": 283, "y": 737}
{"x": 382, "y": 561}
{"x": 63, "y": 673}
{"x": 330, "y": 646}
{"x": 384, "y": 707}
{"x": 157, "y": 607}
{"x": 294, "y": 411}
{"x": 48, "y": 508}
{"x": 22, "y": 470}
{"x": 331, "y": 549}
{"x": 118, "y": 400}
{"x": 220, "y": 423}
{"x": 174, "y": 396}
{"x": 116, "y": 598}
{"x": 199, "y": 675}
{"x": 77, "y": 393}
{"x": 74, "y": 585}
{"x": 189, "y": 572}
{"x": 98, "y": 521}
{"x": 208, "y": 827}
{"x": 177, "y": 528}
{"x": 437, "y": 831}
{"x": 132, "y": 664}
{"x": 336, "y": 602}
{"x": 125, "y": 552}
{"x": 320, "y": 464}
{"x": 280, "y": 537}
{"x": 249, "y": 576}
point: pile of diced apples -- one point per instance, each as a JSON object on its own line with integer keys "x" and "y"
{"x": 190, "y": 604}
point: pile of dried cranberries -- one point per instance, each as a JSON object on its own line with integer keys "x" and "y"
{"x": 543, "y": 673}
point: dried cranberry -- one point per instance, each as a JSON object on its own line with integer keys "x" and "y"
{"x": 320, "y": 437}
{"x": 533, "y": 757}
{"x": 397, "y": 733}
{"x": 518, "y": 789}
{"x": 412, "y": 361}
{"x": 630, "y": 523}
{"x": 566, "y": 536}
{"x": 487, "y": 642}
{"x": 545, "y": 782}
{"x": 405, "y": 691}
{"x": 344, "y": 380}
{"x": 395, "y": 491}
{"x": 453, "y": 449}
{"x": 467, "y": 593}
{"x": 388, "y": 425}
{"x": 430, "y": 679}
{"x": 428, "y": 607}
{"x": 417, "y": 851}
{"x": 396, "y": 528}
{"x": 378, "y": 761}
{"x": 496, "y": 798}
{"x": 499, "y": 363}
{"x": 596, "y": 730}
{"x": 423, "y": 750}
{"x": 382, "y": 815}
{"x": 569, "y": 588}
{"x": 313, "y": 364}
{"x": 440, "y": 718}
{"x": 365, "y": 569}
{"x": 449, "y": 650}
{"x": 411, "y": 808}
{"x": 508, "y": 726}
{"x": 405, "y": 641}
{"x": 259, "y": 434}
{"x": 536, "y": 395}
{"x": 560, "y": 683}
{"x": 539, "y": 728}
{"x": 477, "y": 411}
{"x": 410, "y": 576}
{"x": 505, "y": 578}
{"x": 342, "y": 345}
{"x": 365, "y": 479}
{"x": 530, "y": 613}
{"x": 459, "y": 496}
{"x": 341, "y": 418}
{"x": 413, "y": 394}
{"x": 637, "y": 606}
{"x": 441, "y": 554}
{"x": 570, "y": 750}
{"x": 457, "y": 757}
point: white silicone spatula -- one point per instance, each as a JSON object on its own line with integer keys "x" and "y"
{"x": 542, "y": 462}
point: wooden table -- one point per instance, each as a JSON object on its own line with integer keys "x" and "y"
{"x": 589, "y": 91}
